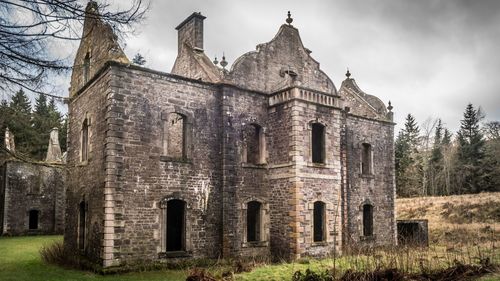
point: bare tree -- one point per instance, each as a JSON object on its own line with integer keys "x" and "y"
{"x": 28, "y": 27}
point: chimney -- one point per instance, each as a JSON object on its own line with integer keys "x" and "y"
{"x": 9, "y": 141}
{"x": 190, "y": 31}
{"x": 54, "y": 150}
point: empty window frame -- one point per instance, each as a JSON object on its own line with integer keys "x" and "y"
{"x": 319, "y": 221}
{"x": 254, "y": 221}
{"x": 367, "y": 220}
{"x": 254, "y": 146}
{"x": 86, "y": 68}
{"x": 318, "y": 143}
{"x": 174, "y": 137}
{"x": 175, "y": 225}
{"x": 33, "y": 218}
{"x": 82, "y": 218}
{"x": 85, "y": 140}
{"x": 366, "y": 159}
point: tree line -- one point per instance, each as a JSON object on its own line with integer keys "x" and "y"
{"x": 431, "y": 160}
{"x": 31, "y": 125}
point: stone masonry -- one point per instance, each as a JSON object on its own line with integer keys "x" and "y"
{"x": 265, "y": 159}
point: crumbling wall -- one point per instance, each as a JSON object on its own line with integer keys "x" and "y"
{"x": 37, "y": 187}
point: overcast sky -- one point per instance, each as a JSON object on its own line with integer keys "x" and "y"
{"x": 428, "y": 57}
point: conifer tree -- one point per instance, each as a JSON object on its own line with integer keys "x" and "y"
{"x": 470, "y": 151}
{"x": 18, "y": 119}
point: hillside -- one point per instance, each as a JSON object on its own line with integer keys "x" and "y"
{"x": 457, "y": 219}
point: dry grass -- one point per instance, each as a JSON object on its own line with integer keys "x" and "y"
{"x": 456, "y": 220}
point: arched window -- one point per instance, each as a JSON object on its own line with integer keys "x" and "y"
{"x": 366, "y": 159}
{"x": 175, "y": 136}
{"x": 254, "y": 221}
{"x": 175, "y": 225}
{"x": 82, "y": 218}
{"x": 254, "y": 144}
{"x": 86, "y": 68}
{"x": 367, "y": 220}
{"x": 33, "y": 219}
{"x": 319, "y": 229}
{"x": 318, "y": 143}
{"x": 85, "y": 140}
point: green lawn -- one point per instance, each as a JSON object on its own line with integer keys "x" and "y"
{"x": 19, "y": 260}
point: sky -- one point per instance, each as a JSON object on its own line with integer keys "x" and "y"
{"x": 429, "y": 58}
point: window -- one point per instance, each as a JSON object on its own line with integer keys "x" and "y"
{"x": 366, "y": 159}
{"x": 82, "y": 217}
{"x": 33, "y": 219}
{"x": 319, "y": 228}
{"x": 86, "y": 68}
{"x": 318, "y": 143}
{"x": 254, "y": 221}
{"x": 85, "y": 140}
{"x": 367, "y": 220}
{"x": 174, "y": 139}
{"x": 254, "y": 144}
{"x": 175, "y": 225}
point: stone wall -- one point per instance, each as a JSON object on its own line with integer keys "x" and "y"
{"x": 37, "y": 187}
{"x": 376, "y": 188}
{"x": 87, "y": 179}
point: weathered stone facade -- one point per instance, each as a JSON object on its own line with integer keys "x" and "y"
{"x": 273, "y": 159}
{"x": 32, "y": 194}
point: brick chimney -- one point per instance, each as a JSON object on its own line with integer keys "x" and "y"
{"x": 191, "y": 31}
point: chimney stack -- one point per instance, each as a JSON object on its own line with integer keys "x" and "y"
{"x": 54, "y": 150}
{"x": 190, "y": 31}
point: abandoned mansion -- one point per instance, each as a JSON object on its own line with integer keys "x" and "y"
{"x": 267, "y": 158}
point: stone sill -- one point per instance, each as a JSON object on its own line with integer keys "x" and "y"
{"x": 175, "y": 160}
{"x": 255, "y": 244}
{"x": 174, "y": 254}
{"x": 254, "y": 166}
{"x": 319, "y": 165}
{"x": 83, "y": 163}
{"x": 319, "y": 244}
{"x": 367, "y": 176}
{"x": 368, "y": 238}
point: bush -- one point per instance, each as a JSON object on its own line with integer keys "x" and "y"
{"x": 54, "y": 254}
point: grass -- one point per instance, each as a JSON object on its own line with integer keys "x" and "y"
{"x": 458, "y": 219}
{"x": 20, "y": 260}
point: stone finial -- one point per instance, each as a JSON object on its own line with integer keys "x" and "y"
{"x": 389, "y": 107}
{"x": 216, "y": 62}
{"x": 9, "y": 141}
{"x": 54, "y": 149}
{"x": 348, "y": 74}
{"x": 390, "y": 114}
{"x": 289, "y": 20}
{"x": 223, "y": 62}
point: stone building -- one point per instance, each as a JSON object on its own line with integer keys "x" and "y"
{"x": 267, "y": 158}
{"x": 32, "y": 194}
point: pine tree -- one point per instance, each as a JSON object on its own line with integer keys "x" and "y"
{"x": 139, "y": 59}
{"x": 42, "y": 126}
{"x": 470, "y": 150}
{"x": 490, "y": 168}
{"x": 19, "y": 121}
{"x": 409, "y": 169}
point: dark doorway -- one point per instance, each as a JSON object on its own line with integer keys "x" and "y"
{"x": 413, "y": 233}
{"x": 318, "y": 143}
{"x": 81, "y": 226}
{"x": 175, "y": 225}
{"x": 319, "y": 221}
{"x": 33, "y": 219}
{"x": 253, "y": 221}
{"x": 367, "y": 220}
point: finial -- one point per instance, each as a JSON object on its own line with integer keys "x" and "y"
{"x": 390, "y": 107}
{"x": 223, "y": 62}
{"x": 216, "y": 61}
{"x": 348, "y": 74}
{"x": 289, "y": 19}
